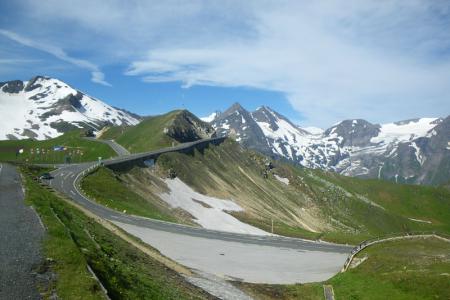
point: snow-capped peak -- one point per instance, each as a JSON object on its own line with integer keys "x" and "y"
{"x": 404, "y": 131}
{"x": 352, "y": 147}
{"x": 46, "y": 107}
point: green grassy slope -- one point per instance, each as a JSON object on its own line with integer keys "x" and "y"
{"x": 338, "y": 208}
{"x": 425, "y": 203}
{"x": 74, "y": 241}
{"x": 148, "y": 135}
{"x": 407, "y": 269}
{"x": 315, "y": 204}
{"x": 78, "y": 148}
{"x": 113, "y": 132}
{"x": 159, "y": 131}
{"x": 110, "y": 190}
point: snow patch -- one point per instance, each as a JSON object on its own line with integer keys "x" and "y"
{"x": 392, "y": 132}
{"x": 379, "y": 171}
{"x": 225, "y": 125}
{"x": 282, "y": 179}
{"x": 420, "y": 158}
{"x": 313, "y": 130}
{"x": 420, "y": 221}
{"x": 209, "y": 118}
{"x": 209, "y": 212}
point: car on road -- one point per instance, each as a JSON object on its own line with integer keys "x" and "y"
{"x": 46, "y": 176}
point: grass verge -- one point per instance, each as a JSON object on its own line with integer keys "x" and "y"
{"x": 74, "y": 241}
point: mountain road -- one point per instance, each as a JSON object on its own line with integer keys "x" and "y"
{"x": 261, "y": 259}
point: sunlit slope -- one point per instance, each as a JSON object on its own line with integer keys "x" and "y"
{"x": 160, "y": 131}
{"x": 301, "y": 202}
{"x": 304, "y": 202}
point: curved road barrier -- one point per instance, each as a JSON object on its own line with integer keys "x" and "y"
{"x": 392, "y": 237}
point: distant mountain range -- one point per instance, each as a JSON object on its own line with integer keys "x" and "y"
{"x": 44, "y": 107}
{"x": 412, "y": 151}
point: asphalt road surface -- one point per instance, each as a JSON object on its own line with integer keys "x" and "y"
{"x": 264, "y": 259}
{"x": 119, "y": 149}
{"x": 20, "y": 239}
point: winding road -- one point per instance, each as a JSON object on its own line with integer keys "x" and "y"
{"x": 259, "y": 259}
{"x": 118, "y": 148}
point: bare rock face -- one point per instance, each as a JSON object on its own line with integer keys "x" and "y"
{"x": 410, "y": 151}
{"x": 12, "y": 87}
{"x": 186, "y": 127}
{"x": 44, "y": 107}
{"x": 238, "y": 122}
{"x": 354, "y": 132}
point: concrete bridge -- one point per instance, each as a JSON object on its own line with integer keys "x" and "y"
{"x": 127, "y": 162}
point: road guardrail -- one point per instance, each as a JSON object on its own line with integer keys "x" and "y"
{"x": 391, "y": 237}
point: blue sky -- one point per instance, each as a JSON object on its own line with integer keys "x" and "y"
{"x": 317, "y": 62}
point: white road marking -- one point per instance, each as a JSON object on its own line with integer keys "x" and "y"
{"x": 73, "y": 193}
{"x": 38, "y": 217}
{"x": 1, "y": 167}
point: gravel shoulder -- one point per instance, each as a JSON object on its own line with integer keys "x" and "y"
{"x": 21, "y": 234}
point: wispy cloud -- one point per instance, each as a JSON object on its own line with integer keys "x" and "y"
{"x": 17, "y": 61}
{"x": 379, "y": 60}
{"x": 332, "y": 62}
{"x": 96, "y": 75}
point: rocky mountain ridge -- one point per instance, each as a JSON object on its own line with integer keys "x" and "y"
{"x": 44, "y": 107}
{"x": 410, "y": 151}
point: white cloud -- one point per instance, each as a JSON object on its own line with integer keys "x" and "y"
{"x": 99, "y": 77}
{"x": 379, "y": 60}
{"x": 321, "y": 58}
{"x": 96, "y": 75}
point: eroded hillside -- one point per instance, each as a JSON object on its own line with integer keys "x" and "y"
{"x": 300, "y": 202}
